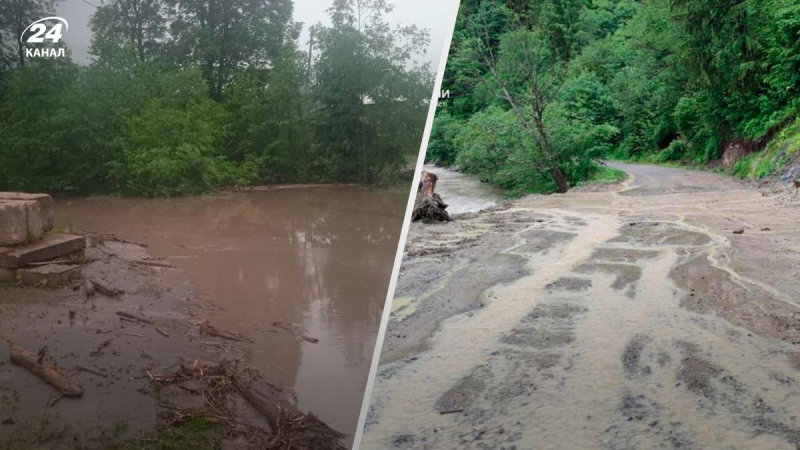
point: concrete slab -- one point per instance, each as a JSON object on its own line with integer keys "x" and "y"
{"x": 51, "y": 247}
{"x": 12, "y": 215}
{"x": 50, "y": 275}
{"x": 34, "y": 220}
{"x": 44, "y": 201}
{"x": 13, "y": 222}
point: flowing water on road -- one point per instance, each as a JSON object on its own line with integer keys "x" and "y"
{"x": 319, "y": 258}
{"x": 464, "y": 193}
{"x": 620, "y": 320}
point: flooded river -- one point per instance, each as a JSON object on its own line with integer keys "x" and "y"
{"x": 464, "y": 193}
{"x": 320, "y": 258}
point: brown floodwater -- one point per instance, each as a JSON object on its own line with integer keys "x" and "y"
{"x": 317, "y": 257}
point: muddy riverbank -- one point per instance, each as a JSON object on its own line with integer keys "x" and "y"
{"x": 628, "y": 318}
{"x": 114, "y": 344}
{"x": 287, "y": 255}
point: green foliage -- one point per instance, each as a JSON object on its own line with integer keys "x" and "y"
{"x": 663, "y": 81}
{"x": 775, "y": 156}
{"x": 189, "y": 96}
{"x": 443, "y": 149}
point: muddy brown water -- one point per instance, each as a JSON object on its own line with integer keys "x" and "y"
{"x": 316, "y": 257}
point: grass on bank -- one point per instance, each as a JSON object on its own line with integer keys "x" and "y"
{"x": 774, "y": 158}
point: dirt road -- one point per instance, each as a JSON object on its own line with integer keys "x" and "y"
{"x": 625, "y": 319}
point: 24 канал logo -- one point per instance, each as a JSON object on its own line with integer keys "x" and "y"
{"x": 49, "y": 30}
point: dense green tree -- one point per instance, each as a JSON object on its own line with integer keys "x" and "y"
{"x": 188, "y": 96}
{"x": 15, "y": 16}
{"x": 222, "y": 36}
{"x": 364, "y": 87}
{"x": 665, "y": 80}
{"x": 139, "y": 25}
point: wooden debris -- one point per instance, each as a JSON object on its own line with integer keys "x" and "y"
{"x": 292, "y": 427}
{"x": 96, "y": 351}
{"x": 92, "y": 371}
{"x": 162, "y": 332}
{"x": 451, "y": 411}
{"x": 105, "y": 289}
{"x": 47, "y": 371}
{"x": 739, "y": 230}
{"x": 132, "y": 316}
{"x": 125, "y": 241}
{"x": 207, "y": 328}
{"x": 294, "y": 329}
{"x": 429, "y": 206}
{"x": 146, "y": 262}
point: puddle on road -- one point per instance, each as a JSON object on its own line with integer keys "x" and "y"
{"x": 320, "y": 258}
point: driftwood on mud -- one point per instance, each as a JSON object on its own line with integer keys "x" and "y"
{"x": 211, "y": 330}
{"x": 132, "y": 316}
{"x": 294, "y": 329}
{"x": 147, "y": 262}
{"x": 92, "y": 371}
{"x": 291, "y": 428}
{"x": 47, "y": 371}
{"x": 429, "y": 206}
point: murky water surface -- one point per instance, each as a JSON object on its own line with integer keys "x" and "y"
{"x": 319, "y": 258}
{"x": 464, "y": 193}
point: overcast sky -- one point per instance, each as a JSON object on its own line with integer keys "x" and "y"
{"x": 435, "y": 15}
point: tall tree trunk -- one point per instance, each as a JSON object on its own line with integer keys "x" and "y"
{"x": 560, "y": 179}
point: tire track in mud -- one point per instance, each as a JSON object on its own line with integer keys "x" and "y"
{"x": 594, "y": 350}
{"x": 462, "y": 341}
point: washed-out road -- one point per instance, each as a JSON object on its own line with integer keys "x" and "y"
{"x": 660, "y": 313}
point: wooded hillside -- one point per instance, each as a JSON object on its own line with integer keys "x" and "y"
{"x": 543, "y": 89}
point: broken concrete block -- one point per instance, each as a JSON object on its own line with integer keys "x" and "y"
{"x": 51, "y": 247}
{"x": 51, "y": 275}
{"x": 44, "y": 201}
{"x": 13, "y": 222}
{"x": 12, "y": 229}
{"x": 34, "y": 220}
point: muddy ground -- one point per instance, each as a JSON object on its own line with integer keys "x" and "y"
{"x": 115, "y": 361}
{"x": 624, "y": 318}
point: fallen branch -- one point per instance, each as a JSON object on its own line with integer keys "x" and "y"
{"x": 100, "y": 347}
{"x": 133, "y": 316}
{"x": 67, "y": 262}
{"x": 207, "y": 328}
{"x": 291, "y": 427}
{"x": 47, "y": 371}
{"x": 92, "y": 371}
{"x": 162, "y": 332}
{"x": 145, "y": 262}
{"x": 294, "y": 329}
